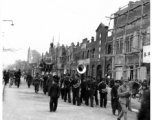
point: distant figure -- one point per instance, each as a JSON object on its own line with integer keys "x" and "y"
{"x": 29, "y": 79}
{"x": 36, "y": 82}
{"x": 54, "y": 94}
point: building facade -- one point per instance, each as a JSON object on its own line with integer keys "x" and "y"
{"x": 130, "y": 35}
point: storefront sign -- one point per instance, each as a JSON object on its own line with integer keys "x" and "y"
{"x": 146, "y": 54}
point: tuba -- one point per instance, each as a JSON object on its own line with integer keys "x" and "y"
{"x": 81, "y": 69}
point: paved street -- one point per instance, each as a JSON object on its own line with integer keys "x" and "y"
{"x": 24, "y": 104}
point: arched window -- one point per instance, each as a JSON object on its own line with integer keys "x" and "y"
{"x": 109, "y": 49}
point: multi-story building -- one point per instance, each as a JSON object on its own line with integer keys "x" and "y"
{"x": 130, "y": 35}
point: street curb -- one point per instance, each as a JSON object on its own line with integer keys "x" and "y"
{"x": 133, "y": 110}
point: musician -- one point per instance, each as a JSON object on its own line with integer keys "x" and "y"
{"x": 95, "y": 83}
{"x": 67, "y": 88}
{"x": 83, "y": 90}
{"x": 45, "y": 77}
{"x": 54, "y": 93}
{"x": 49, "y": 81}
{"x": 103, "y": 92}
{"x": 76, "y": 82}
{"x": 91, "y": 87}
{"x": 36, "y": 82}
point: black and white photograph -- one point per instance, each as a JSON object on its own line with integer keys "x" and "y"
{"x": 75, "y": 59}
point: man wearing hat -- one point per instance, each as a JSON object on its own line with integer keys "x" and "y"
{"x": 49, "y": 81}
{"x": 114, "y": 97}
{"x": 124, "y": 94}
{"x": 67, "y": 91}
{"x": 103, "y": 92}
{"x": 36, "y": 82}
{"x": 76, "y": 82}
{"x": 54, "y": 94}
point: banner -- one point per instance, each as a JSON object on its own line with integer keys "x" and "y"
{"x": 146, "y": 54}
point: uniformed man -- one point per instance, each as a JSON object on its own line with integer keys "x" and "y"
{"x": 49, "y": 81}
{"x": 36, "y": 82}
{"x": 95, "y": 83}
{"x": 54, "y": 93}
{"x": 103, "y": 93}
{"x": 76, "y": 82}
{"x": 83, "y": 90}
{"x": 91, "y": 86}
{"x": 45, "y": 77}
{"x": 67, "y": 88}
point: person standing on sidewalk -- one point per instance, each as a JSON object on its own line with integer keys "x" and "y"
{"x": 103, "y": 93}
{"x": 124, "y": 94}
{"x": 83, "y": 90}
{"x": 54, "y": 94}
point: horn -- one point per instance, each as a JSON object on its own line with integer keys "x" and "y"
{"x": 81, "y": 68}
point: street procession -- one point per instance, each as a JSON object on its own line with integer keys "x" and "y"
{"x": 104, "y": 77}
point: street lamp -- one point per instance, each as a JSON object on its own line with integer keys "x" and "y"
{"x": 9, "y": 21}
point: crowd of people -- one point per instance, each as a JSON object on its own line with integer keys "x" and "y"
{"x": 77, "y": 89}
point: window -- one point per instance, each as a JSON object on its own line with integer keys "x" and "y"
{"x": 100, "y": 42}
{"x": 117, "y": 47}
{"x": 131, "y": 43}
{"x": 100, "y": 36}
{"x": 109, "y": 49}
{"x": 121, "y": 45}
{"x": 99, "y": 49}
{"x": 127, "y": 44}
{"x": 99, "y": 55}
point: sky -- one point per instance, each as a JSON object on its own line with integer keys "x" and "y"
{"x": 36, "y": 22}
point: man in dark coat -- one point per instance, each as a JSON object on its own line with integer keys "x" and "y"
{"x": 67, "y": 90}
{"x": 96, "y": 91}
{"x": 83, "y": 90}
{"x": 29, "y": 79}
{"x": 18, "y": 77}
{"x": 45, "y": 77}
{"x": 91, "y": 86}
{"x": 54, "y": 94}
{"x": 49, "y": 82}
{"x": 103, "y": 93}
{"x": 36, "y": 82}
{"x": 114, "y": 97}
